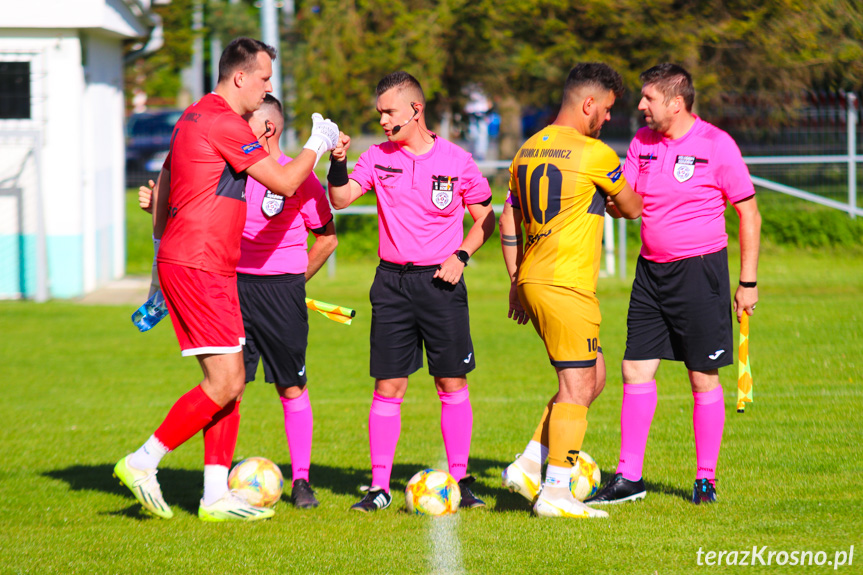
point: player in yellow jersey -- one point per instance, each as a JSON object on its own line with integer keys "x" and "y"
{"x": 559, "y": 182}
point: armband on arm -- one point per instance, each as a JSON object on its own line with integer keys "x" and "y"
{"x": 508, "y": 240}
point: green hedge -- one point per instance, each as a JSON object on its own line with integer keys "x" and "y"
{"x": 785, "y": 221}
{"x": 793, "y": 222}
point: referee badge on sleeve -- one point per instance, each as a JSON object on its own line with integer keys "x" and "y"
{"x": 272, "y": 204}
{"x": 442, "y": 190}
{"x": 684, "y": 168}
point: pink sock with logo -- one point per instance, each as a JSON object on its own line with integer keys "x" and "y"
{"x": 385, "y": 426}
{"x": 298, "y": 430}
{"x": 636, "y": 415}
{"x": 708, "y": 421}
{"x": 456, "y": 425}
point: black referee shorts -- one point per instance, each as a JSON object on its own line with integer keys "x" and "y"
{"x": 682, "y": 311}
{"x": 276, "y": 321}
{"x": 410, "y": 309}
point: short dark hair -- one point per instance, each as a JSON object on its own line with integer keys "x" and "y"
{"x": 401, "y": 80}
{"x": 671, "y": 80}
{"x": 270, "y": 100}
{"x": 595, "y": 74}
{"x": 242, "y": 54}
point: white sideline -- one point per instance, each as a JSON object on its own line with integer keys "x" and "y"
{"x": 445, "y": 547}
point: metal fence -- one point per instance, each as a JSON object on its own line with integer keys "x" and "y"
{"x": 818, "y": 159}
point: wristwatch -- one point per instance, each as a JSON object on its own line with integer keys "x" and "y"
{"x": 462, "y": 256}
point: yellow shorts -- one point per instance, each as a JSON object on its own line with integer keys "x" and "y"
{"x": 567, "y": 320}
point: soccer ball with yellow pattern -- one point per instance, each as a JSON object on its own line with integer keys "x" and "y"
{"x": 432, "y": 492}
{"x": 257, "y": 480}
{"x": 585, "y": 478}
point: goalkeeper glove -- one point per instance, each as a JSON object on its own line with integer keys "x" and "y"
{"x": 325, "y": 136}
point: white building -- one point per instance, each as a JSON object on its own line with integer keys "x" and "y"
{"x": 62, "y": 143}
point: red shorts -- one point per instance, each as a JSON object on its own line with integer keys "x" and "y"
{"x": 205, "y": 309}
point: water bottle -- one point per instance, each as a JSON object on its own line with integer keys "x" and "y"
{"x": 149, "y": 314}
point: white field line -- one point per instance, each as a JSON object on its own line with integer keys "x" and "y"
{"x": 445, "y": 546}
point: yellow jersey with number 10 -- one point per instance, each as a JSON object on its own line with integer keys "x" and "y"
{"x": 559, "y": 180}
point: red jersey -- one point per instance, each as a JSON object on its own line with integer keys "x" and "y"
{"x": 210, "y": 148}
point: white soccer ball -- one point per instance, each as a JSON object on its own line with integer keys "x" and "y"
{"x": 432, "y": 492}
{"x": 585, "y": 477}
{"x": 257, "y": 480}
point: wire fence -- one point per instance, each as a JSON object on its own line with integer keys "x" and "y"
{"x": 819, "y": 159}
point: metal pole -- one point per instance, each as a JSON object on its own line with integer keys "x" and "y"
{"x": 289, "y": 135}
{"x": 270, "y": 35}
{"x": 608, "y": 235}
{"x": 621, "y": 241}
{"x": 852, "y": 153}
{"x": 42, "y": 292}
{"x": 331, "y": 261}
{"x": 215, "y": 55}
{"x": 196, "y": 77}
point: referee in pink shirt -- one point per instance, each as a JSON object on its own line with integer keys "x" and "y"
{"x": 423, "y": 184}
{"x": 685, "y": 170}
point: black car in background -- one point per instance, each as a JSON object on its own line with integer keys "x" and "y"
{"x": 148, "y": 137}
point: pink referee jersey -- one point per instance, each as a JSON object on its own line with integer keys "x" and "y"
{"x": 276, "y": 231}
{"x": 421, "y": 199}
{"x": 685, "y": 184}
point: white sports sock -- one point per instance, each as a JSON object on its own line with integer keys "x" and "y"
{"x": 536, "y": 451}
{"x": 557, "y": 476}
{"x": 149, "y": 455}
{"x": 215, "y": 483}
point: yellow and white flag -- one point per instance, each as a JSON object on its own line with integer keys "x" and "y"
{"x": 744, "y": 368}
{"x": 337, "y": 313}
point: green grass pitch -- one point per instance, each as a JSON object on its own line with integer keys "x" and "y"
{"x": 82, "y": 388}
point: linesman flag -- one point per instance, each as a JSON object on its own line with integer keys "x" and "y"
{"x": 744, "y": 369}
{"x": 336, "y": 313}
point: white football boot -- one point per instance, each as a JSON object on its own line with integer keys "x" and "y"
{"x": 231, "y": 507}
{"x": 517, "y": 480}
{"x": 565, "y": 507}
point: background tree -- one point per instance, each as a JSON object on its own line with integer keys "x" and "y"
{"x": 158, "y": 75}
{"x": 519, "y": 51}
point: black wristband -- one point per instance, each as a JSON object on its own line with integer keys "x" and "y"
{"x": 748, "y": 284}
{"x": 338, "y": 174}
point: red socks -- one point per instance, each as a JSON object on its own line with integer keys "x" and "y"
{"x": 187, "y": 417}
{"x": 220, "y": 436}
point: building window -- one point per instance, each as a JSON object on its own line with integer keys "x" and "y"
{"x": 15, "y": 90}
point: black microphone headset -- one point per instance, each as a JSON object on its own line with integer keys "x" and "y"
{"x": 398, "y": 128}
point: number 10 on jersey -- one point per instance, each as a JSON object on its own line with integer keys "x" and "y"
{"x": 554, "y": 184}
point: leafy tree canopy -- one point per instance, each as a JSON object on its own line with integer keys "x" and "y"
{"x": 521, "y": 50}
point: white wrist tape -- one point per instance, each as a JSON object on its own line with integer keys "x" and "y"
{"x": 318, "y": 145}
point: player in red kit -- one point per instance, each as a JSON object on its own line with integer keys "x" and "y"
{"x": 200, "y": 221}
